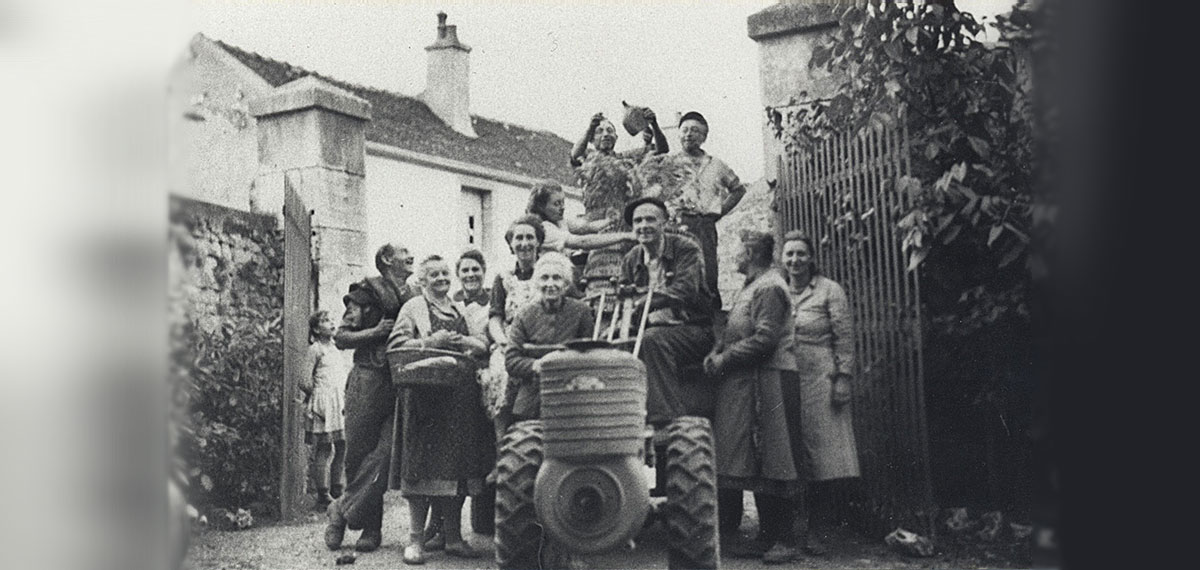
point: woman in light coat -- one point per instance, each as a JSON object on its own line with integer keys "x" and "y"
{"x": 823, "y": 343}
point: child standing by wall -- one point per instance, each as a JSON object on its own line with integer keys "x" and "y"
{"x": 324, "y": 387}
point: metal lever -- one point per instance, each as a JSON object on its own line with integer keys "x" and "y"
{"x": 637, "y": 345}
{"x": 599, "y": 317}
{"x": 612, "y": 325}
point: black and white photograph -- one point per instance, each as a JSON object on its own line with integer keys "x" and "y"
{"x": 664, "y": 284}
{"x": 538, "y": 284}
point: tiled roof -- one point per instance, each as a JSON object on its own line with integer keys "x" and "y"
{"x": 407, "y": 123}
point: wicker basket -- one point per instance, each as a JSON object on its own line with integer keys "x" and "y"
{"x": 430, "y": 367}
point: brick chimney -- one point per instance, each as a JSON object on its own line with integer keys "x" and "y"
{"x": 448, "y": 79}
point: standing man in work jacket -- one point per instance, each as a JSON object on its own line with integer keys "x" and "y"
{"x": 371, "y": 308}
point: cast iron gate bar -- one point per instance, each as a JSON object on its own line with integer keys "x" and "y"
{"x": 842, "y": 192}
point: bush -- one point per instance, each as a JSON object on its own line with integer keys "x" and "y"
{"x": 227, "y": 364}
{"x": 235, "y": 412}
{"x": 981, "y": 218}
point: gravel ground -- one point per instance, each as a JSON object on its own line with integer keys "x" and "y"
{"x": 300, "y": 545}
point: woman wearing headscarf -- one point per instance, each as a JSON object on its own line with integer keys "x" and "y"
{"x": 447, "y": 441}
{"x": 823, "y": 342}
{"x": 750, "y": 427}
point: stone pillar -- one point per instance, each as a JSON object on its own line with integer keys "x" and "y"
{"x": 786, "y": 34}
{"x": 311, "y": 138}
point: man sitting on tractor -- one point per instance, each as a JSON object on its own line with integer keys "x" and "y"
{"x": 678, "y": 330}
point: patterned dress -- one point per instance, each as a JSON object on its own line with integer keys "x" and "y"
{"x": 511, "y": 292}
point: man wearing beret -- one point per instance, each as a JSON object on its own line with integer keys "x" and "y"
{"x": 371, "y": 308}
{"x": 708, "y": 190}
{"x": 679, "y": 325}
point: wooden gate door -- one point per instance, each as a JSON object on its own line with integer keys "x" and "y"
{"x": 298, "y": 303}
{"x": 843, "y": 193}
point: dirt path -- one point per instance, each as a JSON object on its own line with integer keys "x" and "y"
{"x": 301, "y": 546}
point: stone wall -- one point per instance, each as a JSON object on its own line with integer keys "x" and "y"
{"x": 227, "y": 355}
{"x": 231, "y": 263}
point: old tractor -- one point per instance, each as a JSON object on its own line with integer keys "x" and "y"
{"x": 575, "y": 481}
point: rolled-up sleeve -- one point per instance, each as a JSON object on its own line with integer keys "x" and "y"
{"x": 729, "y": 180}
{"x": 556, "y": 237}
{"x": 351, "y": 323}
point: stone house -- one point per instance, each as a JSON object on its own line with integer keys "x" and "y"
{"x": 373, "y": 165}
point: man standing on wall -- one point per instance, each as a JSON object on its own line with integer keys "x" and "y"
{"x": 371, "y": 308}
{"x": 700, "y": 190}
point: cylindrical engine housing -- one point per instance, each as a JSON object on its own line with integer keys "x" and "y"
{"x": 593, "y": 401}
{"x": 593, "y": 506}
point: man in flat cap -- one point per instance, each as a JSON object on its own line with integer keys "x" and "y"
{"x": 679, "y": 325}
{"x": 700, "y": 190}
{"x": 371, "y": 308}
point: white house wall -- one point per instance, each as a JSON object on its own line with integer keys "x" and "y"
{"x": 213, "y": 144}
{"x": 425, "y": 209}
{"x": 214, "y": 158}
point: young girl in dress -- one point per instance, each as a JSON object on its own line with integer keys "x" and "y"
{"x": 323, "y": 387}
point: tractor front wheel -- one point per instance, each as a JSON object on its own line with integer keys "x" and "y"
{"x": 518, "y": 535}
{"x": 690, "y": 512}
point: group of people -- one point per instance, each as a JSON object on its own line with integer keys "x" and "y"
{"x": 775, "y": 384}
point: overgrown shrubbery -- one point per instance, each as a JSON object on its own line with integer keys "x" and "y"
{"x": 981, "y": 215}
{"x": 228, "y": 368}
{"x": 977, "y": 206}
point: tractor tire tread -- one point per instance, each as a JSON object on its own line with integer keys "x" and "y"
{"x": 690, "y": 512}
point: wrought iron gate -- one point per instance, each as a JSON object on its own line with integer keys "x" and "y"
{"x": 843, "y": 193}
{"x": 298, "y": 303}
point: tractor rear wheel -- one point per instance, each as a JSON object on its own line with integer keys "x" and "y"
{"x": 690, "y": 512}
{"x": 518, "y": 535}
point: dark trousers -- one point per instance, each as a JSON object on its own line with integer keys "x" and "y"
{"x": 674, "y": 384}
{"x": 370, "y": 421}
{"x": 703, "y": 227}
{"x": 729, "y": 510}
{"x": 776, "y": 519}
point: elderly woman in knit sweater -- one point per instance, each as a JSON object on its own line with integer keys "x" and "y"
{"x": 554, "y": 318}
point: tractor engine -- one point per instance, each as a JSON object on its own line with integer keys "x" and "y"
{"x": 590, "y": 493}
